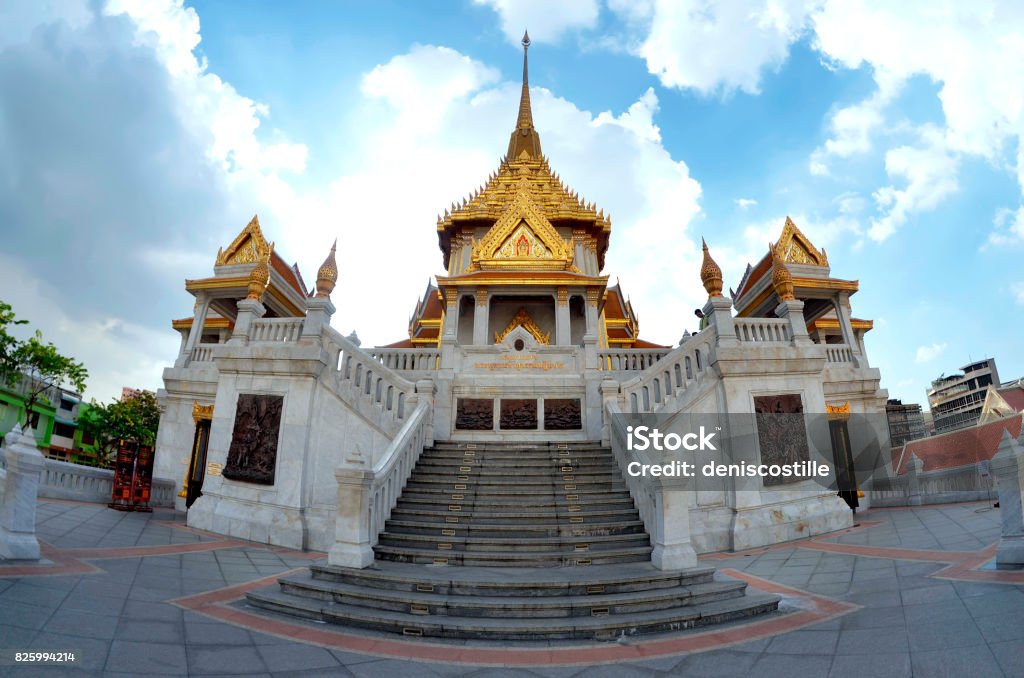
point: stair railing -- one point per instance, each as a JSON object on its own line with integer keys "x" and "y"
{"x": 663, "y": 502}
{"x": 368, "y": 492}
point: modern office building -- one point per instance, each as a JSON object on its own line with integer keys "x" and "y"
{"x": 906, "y": 422}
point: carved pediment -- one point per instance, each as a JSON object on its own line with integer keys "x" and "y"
{"x": 249, "y": 247}
{"x": 522, "y": 238}
{"x": 795, "y": 248}
{"x": 522, "y": 319}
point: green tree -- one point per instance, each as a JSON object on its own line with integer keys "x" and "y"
{"x": 34, "y": 365}
{"x": 136, "y": 417}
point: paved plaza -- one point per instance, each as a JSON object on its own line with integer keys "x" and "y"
{"x": 907, "y": 592}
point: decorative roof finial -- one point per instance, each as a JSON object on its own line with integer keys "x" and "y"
{"x": 327, "y": 276}
{"x": 524, "y": 137}
{"x": 710, "y": 273}
{"x": 782, "y": 279}
{"x": 259, "y": 278}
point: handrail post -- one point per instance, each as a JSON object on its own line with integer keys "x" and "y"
{"x": 248, "y": 311}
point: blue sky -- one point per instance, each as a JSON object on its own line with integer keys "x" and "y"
{"x": 138, "y": 137}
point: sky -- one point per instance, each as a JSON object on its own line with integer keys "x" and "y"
{"x": 138, "y": 136}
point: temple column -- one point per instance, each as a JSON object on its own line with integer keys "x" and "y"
{"x": 481, "y": 317}
{"x": 248, "y": 311}
{"x": 195, "y": 332}
{"x": 841, "y": 302}
{"x": 562, "y": 317}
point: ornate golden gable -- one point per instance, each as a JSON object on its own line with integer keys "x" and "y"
{"x": 522, "y": 238}
{"x": 249, "y": 247}
{"x": 523, "y": 319}
{"x": 795, "y": 248}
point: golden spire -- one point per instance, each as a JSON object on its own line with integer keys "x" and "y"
{"x": 782, "y": 279}
{"x": 710, "y": 273}
{"x": 524, "y": 138}
{"x": 259, "y": 278}
{"x": 327, "y": 276}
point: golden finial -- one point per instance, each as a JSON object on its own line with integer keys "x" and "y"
{"x": 710, "y": 273}
{"x": 782, "y": 279}
{"x": 259, "y": 278}
{"x": 327, "y": 276}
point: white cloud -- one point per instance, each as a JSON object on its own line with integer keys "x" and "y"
{"x": 1017, "y": 289}
{"x": 711, "y": 46}
{"x": 1008, "y": 228}
{"x": 929, "y": 173}
{"x": 547, "y": 21}
{"x": 973, "y": 52}
{"x": 744, "y": 203}
{"x": 926, "y": 354}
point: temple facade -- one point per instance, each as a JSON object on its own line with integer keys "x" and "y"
{"x": 281, "y": 430}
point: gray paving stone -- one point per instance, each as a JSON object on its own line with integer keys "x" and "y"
{"x": 926, "y": 637}
{"x": 147, "y": 658}
{"x": 83, "y": 624}
{"x": 804, "y": 643}
{"x": 215, "y": 633}
{"x": 394, "y": 667}
{"x": 1010, "y": 656}
{"x": 956, "y": 663}
{"x": 873, "y": 641}
{"x": 1001, "y": 602}
{"x": 296, "y": 656}
{"x": 90, "y": 653}
{"x": 205, "y": 659}
{"x": 720, "y": 664}
{"x": 947, "y": 611}
{"x": 151, "y": 632}
{"x": 788, "y": 666}
{"x": 939, "y": 592}
{"x": 135, "y": 610}
{"x": 874, "y": 617}
{"x": 872, "y": 665}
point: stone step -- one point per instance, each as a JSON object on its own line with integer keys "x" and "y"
{"x": 597, "y": 626}
{"x": 470, "y": 496}
{"x": 496, "y": 490}
{"x": 509, "y": 581}
{"x": 511, "y": 446}
{"x": 547, "y": 466}
{"x": 473, "y": 543}
{"x": 499, "y": 504}
{"x": 549, "y": 607}
{"x": 476, "y": 529}
{"x": 587, "y": 514}
{"x": 549, "y": 558}
{"x": 432, "y": 479}
{"x": 512, "y": 459}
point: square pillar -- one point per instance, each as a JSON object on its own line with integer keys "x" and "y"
{"x": 718, "y": 311}
{"x": 481, "y": 317}
{"x": 562, "y": 317}
{"x": 18, "y": 501}
{"x": 248, "y": 311}
{"x": 318, "y": 316}
{"x": 793, "y": 311}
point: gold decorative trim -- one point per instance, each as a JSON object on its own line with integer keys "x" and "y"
{"x": 487, "y": 253}
{"x": 201, "y": 412}
{"x": 248, "y": 247}
{"x": 523, "y": 319}
{"x": 796, "y": 248}
{"x": 840, "y": 412}
{"x": 563, "y": 296}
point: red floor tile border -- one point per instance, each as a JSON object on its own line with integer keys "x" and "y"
{"x": 889, "y": 552}
{"x": 812, "y": 609}
{"x": 59, "y": 564}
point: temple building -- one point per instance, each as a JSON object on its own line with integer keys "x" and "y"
{"x": 495, "y": 433}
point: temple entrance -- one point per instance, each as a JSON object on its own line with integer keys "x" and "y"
{"x": 197, "y": 464}
{"x": 846, "y": 474}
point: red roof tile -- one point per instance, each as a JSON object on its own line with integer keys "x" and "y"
{"x": 959, "y": 448}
